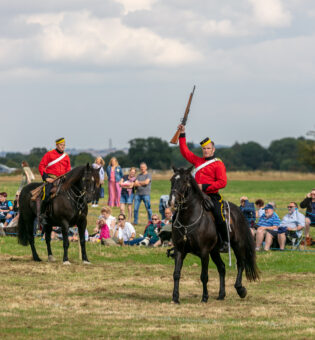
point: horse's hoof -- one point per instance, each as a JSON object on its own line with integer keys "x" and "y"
{"x": 242, "y": 292}
{"x": 86, "y": 262}
{"x": 51, "y": 259}
{"x": 175, "y": 302}
{"x": 221, "y": 297}
{"x": 66, "y": 263}
{"x": 204, "y": 300}
{"x": 37, "y": 259}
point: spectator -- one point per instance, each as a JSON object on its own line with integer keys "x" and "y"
{"x": 6, "y": 208}
{"x": 268, "y": 221}
{"x": 165, "y": 235}
{"x": 259, "y": 207}
{"x": 292, "y": 223}
{"x": 12, "y": 217}
{"x": 27, "y": 175}
{"x": 110, "y": 221}
{"x": 114, "y": 174}
{"x": 98, "y": 192}
{"x": 309, "y": 204}
{"x": 248, "y": 209}
{"x": 163, "y": 204}
{"x": 151, "y": 231}
{"x": 127, "y": 192}
{"x": 143, "y": 184}
{"x": 124, "y": 232}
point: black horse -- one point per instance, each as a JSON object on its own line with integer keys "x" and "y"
{"x": 67, "y": 209}
{"x": 194, "y": 231}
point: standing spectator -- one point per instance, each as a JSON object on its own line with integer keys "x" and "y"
{"x": 114, "y": 174}
{"x": 27, "y": 175}
{"x": 124, "y": 232}
{"x": 163, "y": 204}
{"x": 268, "y": 221}
{"x": 248, "y": 209}
{"x": 127, "y": 192}
{"x": 259, "y": 207}
{"x": 143, "y": 184}
{"x": 6, "y": 208}
{"x": 98, "y": 164}
{"x": 292, "y": 223}
{"x": 309, "y": 204}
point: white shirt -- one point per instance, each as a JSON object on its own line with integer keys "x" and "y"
{"x": 109, "y": 221}
{"x": 126, "y": 232}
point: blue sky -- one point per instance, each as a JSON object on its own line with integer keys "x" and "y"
{"x": 95, "y": 70}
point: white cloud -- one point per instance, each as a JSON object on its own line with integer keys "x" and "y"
{"x": 136, "y": 5}
{"x": 271, "y": 13}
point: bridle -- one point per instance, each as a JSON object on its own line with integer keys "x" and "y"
{"x": 180, "y": 206}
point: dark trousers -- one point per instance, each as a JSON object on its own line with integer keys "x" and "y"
{"x": 218, "y": 215}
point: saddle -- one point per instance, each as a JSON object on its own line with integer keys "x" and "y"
{"x": 37, "y": 193}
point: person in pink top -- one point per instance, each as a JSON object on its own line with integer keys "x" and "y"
{"x": 104, "y": 230}
{"x": 114, "y": 174}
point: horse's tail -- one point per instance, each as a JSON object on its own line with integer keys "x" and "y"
{"x": 22, "y": 230}
{"x": 26, "y": 214}
{"x": 251, "y": 269}
{"x": 246, "y": 244}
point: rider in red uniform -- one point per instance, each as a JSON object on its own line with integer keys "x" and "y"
{"x": 211, "y": 177}
{"x": 54, "y": 163}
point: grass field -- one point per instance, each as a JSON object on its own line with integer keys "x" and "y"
{"x": 126, "y": 292}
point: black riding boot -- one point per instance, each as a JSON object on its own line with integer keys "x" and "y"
{"x": 43, "y": 213}
{"x": 223, "y": 236}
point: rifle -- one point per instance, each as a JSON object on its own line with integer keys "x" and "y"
{"x": 174, "y": 140}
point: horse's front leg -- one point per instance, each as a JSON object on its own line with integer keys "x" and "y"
{"x": 48, "y": 240}
{"x": 204, "y": 276}
{"x": 65, "y": 239}
{"x": 81, "y": 227}
{"x": 179, "y": 259}
{"x": 216, "y": 258}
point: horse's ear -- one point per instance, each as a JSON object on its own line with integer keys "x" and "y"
{"x": 174, "y": 168}
{"x": 87, "y": 165}
{"x": 189, "y": 170}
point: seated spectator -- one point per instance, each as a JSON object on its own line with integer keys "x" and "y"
{"x": 11, "y": 227}
{"x": 292, "y": 223}
{"x": 151, "y": 231}
{"x": 127, "y": 192}
{"x": 163, "y": 204}
{"x": 248, "y": 209}
{"x": 124, "y": 232}
{"x": 309, "y": 204}
{"x": 259, "y": 207}
{"x": 165, "y": 234}
{"x": 268, "y": 221}
{"x": 6, "y": 209}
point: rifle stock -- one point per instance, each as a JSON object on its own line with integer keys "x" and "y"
{"x": 175, "y": 138}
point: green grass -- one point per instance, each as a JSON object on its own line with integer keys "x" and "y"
{"x": 126, "y": 292}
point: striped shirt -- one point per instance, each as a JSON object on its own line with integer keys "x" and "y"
{"x": 265, "y": 221}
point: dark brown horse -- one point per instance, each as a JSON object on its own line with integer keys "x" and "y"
{"x": 194, "y": 231}
{"x": 68, "y": 208}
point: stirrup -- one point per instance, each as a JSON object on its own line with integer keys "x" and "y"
{"x": 224, "y": 247}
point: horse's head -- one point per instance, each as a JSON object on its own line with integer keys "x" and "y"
{"x": 90, "y": 180}
{"x": 180, "y": 185}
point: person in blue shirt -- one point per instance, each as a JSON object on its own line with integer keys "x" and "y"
{"x": 293, "y": 222}
{"x": 6, "y": 207}
{"x": 268, "y": 221}
{"x": 248, "y": 210}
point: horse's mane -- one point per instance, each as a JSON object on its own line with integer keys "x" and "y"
{"x": 195, "y": 186}
{"x": 72, "y": 176}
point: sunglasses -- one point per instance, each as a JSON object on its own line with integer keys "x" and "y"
{"x": 291, "y": 206}
{"x": 121, "y": 219}
{"x": 154, "y": 219}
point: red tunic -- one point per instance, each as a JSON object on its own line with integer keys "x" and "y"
{"x": 213, "y": 174}
{"x": 57, "y": 169}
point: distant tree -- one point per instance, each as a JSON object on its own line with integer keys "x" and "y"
{"x": 154, "y": 151}
{"x": 83, "y": 158}
{"x": 306, "y": 151}
{"x": 121, "y": 156}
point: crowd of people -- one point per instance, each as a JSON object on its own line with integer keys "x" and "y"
{"x": 271, "y": 231}
{"x": 128, "y": 190}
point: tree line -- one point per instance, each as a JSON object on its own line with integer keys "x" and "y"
{"x": 286, "y": 154}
